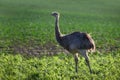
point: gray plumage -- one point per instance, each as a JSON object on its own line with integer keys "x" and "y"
{"x": 76, "y": 42}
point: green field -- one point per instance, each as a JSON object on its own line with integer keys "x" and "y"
{"x": 29, "y": 51}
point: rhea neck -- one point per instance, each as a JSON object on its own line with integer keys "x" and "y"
{"x": 57, "y": 30}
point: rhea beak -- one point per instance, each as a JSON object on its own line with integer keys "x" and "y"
{"x": 52, "y": 14}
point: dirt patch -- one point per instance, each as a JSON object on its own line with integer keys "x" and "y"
{"x": 33, "y": 48}
{"x": 47, "y": 49}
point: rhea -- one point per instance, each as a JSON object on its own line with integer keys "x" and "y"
{"x": 76, "y": 43}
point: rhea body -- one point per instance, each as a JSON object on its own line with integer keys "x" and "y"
{"x": 76, "y": 42}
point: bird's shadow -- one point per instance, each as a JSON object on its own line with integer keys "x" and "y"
{"x": 96, "y": 72}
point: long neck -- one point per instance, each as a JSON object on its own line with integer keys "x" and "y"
{"x": 57, "y": 30}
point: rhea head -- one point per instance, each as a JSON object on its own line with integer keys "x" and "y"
{"x": 55, "y": 14}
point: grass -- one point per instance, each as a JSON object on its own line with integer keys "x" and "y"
{"x": 27, "y": 27}
{"x": 57, "y": 67}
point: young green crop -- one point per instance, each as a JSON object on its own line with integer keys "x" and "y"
{"x": 58, "y": 67}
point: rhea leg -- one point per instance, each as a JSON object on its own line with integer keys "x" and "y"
{"x": 76, "y": 62}
{"x": 85, "y": 55}
{"x": 87, "y": 61}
